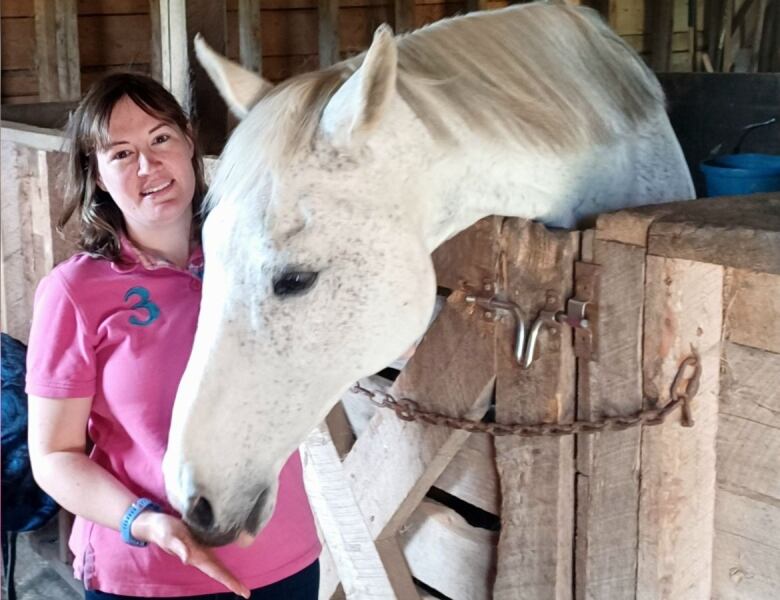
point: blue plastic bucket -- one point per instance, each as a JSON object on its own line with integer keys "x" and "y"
{"x": 737, "y": 174}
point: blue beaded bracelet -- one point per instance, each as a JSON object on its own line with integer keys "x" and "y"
{"x": 136, "y": 508}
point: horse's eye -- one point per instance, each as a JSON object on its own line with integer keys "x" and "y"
{"x": 294, "y": 282}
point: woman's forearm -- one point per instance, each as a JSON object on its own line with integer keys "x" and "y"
{"x": 82, "y": 487}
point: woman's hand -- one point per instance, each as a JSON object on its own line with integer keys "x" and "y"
{"x": 173, "y": 536}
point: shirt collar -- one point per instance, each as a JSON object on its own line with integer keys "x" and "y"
{"x": 131, "y": 257}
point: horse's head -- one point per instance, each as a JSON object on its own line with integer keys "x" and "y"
{"x": 317, "y": 273}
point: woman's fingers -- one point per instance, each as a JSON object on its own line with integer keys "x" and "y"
{"x": 204, "y": 560}
{"x": 173, "y": 536}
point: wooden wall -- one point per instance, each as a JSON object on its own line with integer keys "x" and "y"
{"x": 117, "y": 34}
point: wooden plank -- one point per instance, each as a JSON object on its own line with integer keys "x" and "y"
{"x": 129, "y": 36}
{"x": 750, "y": 388}
{"x": 69, "y": 66}
{"x": 19, "y": 87}
{"x": 608, "y": 463}
{"x": 468, "y": 259}
{"x": 535, "y": 549}
{"x": 328, "y": 19}
{"x": 359, "y": 565}
{"x": 180, "y": 20}
{"x": 155, "y": 40}
{"x": 118, "y": 7}
{"x": 31, "y": 136}
{"x": 57, "y": 50}
{"x": 340, "y": 430}
{"x": 24, "y": 260}
{"x": 742, "y": 232}
{"x": 18, "y": 48}
{"x": 746, "y": 561}
{"x": 472, "y": 475}
{"x": 744, "y": 443}
{"x": 662, "y": 24}
{"x": 250, "y": 39}
{"x": 752, "y": 302}
{"x": 472, "y": 5}
{"x": 46, "y": 57}
{"x": 448, "y": 554}
{"x": 683, "y": 314}
{"x": 49, "y": 115}
{"x": 735, "y": 231}
{"x": 404, "y": 15}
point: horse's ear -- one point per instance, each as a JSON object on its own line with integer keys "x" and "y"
{"x": 377, "y": 82}
{"x": 240, "y": 88}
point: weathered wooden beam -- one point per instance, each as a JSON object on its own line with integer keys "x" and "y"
{"x": 358, "y": 563}
{"x": 472, "y": 475}
{"x": 179, "y": 21}
{"x": 746, "y": 561}
{"x": 752, "y": 302}
{"x": 57, "y": 50}
{"x": 329, "y": 41}
{"x": 473, "y": 5}
{"x": 250, "y": 42}
{"x": 535, "y": 548}
{"x": 683, "y": 317}
{"x": 448, "y": 554}
{"x": 404, "y": 15}
{"x": 608, "y": 463}
{"x": 662, "y": 25}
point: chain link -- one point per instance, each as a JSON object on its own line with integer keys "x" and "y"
{"x": 682, "y": 391}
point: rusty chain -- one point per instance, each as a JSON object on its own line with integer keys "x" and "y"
{"x": 682, "y": 391}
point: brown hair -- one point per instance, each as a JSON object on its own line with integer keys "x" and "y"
{"x": 101, "y": 222}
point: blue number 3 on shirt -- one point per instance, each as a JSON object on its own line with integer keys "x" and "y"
{"x": 152, "y": 310}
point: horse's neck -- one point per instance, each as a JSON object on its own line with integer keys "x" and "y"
{"x": 480, "y": 178}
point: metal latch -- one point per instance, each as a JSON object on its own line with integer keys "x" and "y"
{"x": 580, "y": 314}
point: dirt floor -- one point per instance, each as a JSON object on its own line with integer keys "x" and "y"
{"x": 38, "y": 578}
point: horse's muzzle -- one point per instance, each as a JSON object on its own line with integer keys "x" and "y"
{"x": 199, "y": 516}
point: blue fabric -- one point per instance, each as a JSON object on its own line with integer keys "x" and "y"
{"x": 24, "y": 505}
{"x": 304, "y": 585}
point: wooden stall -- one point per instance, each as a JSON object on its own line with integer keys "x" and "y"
{"x": 653, "y": 511}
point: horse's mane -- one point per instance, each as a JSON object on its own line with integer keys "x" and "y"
{"x": 546, "y": 76}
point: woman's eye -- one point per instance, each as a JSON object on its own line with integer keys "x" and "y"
{"x": 163, "y": 137}
{"x": 292, "y": 283}
{"x": 122, "y": 154}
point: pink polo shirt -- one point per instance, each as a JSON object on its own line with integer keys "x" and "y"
{"x": 122, "y": 333}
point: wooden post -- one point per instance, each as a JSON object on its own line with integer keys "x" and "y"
{"x": 535, "y": 549}
{"x": 57, "y": 50}
{"x": 662, "y": 24}
{"x": 329, "y": 43}
{"x": 250, "y": 43}
{"x": 404, "y": 15}
{"x": 473, "y": 5}
{"x": 179, "y": 21}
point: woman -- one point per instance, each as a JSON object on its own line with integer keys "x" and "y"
{"x": 111, "y": 334}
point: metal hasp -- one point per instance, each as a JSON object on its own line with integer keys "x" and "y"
{"x": 581, "y": 314}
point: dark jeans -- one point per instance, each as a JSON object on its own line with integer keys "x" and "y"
{"x": 304, "y": 585}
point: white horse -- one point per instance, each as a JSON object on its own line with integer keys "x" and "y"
{"x": 336, "y": 187}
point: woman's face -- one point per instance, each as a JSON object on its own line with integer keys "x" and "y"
{"x": 147, "y": 169}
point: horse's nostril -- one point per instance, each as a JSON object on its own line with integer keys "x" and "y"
{"x": 201, "y": 513}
